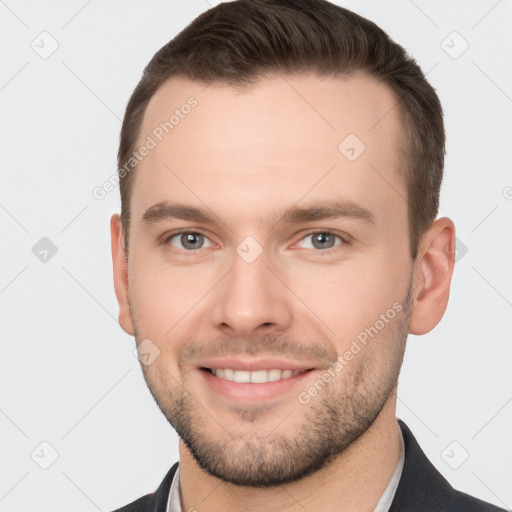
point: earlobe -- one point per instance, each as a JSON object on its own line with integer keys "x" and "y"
{"x": 433, "y": 275}
{"x": 120, "y": 270}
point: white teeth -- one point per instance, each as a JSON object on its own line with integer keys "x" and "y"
{"x": 257, "y": 377}
{"x": 274, "y": 375}
{"x": 241, "y": 376}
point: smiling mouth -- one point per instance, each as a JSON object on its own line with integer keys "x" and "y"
{"x": 256, "y": 377}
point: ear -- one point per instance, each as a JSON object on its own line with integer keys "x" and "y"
{"x": 120, "y": 268}
{"x": 432, "y": 276}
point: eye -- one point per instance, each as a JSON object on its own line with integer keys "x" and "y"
{"x": 189, "y": 240}
{"x": 320, "y": 240}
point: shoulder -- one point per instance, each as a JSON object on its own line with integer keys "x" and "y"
{"x": 422, "y": 488}
{"x": 154, "y": 502}
{"x": 465, "y": 502}
{"x": 143, "y": 504}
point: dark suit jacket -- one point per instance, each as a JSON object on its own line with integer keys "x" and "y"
{"x": 421, "y": 488}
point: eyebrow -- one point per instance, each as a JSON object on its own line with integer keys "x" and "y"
{"x": 165, "y": 210}
{"x": 326, "y": 210}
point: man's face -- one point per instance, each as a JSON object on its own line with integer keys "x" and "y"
{"x": 275, "y": 251}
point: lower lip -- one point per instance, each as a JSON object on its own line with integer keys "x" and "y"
{"x": 249, "y": 391}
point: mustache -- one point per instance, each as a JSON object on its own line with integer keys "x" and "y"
{"x": 319, "y": 353}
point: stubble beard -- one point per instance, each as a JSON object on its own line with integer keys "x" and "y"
{"x": 323, "y": 429}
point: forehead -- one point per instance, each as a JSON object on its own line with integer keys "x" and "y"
{"x": 275, "y": 140}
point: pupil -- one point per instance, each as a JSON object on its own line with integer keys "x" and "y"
{"x": 191, "y": 240}
{"x": 322, "y": 240}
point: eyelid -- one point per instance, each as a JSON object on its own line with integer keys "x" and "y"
{"x": 345, "y": 239}
{"x": 164, "y": 239}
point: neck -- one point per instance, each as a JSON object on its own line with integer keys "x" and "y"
{"x": 355, "y": 480}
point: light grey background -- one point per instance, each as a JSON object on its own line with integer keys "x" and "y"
{"x": 68, "y": 375}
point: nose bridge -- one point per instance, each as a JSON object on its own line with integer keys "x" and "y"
{"x": 251, "y": 298}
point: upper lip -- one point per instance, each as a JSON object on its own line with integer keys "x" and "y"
{"x": 251, "y": 365}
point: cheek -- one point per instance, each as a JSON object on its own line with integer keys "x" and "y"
{"x": 352, "y": 296}
{"x": 162, "y": 302}
{"x": 165, "y": 296}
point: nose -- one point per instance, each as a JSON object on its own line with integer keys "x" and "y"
{"x": 252, "y": 300}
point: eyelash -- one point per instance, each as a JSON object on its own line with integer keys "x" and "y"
{"x": 345, "y": 241}
{"x": 167, "y": 238}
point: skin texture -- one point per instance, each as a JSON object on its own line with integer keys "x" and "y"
{"x": 245, "y": 156}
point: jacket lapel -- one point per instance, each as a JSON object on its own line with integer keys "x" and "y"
{"x": 421, "y": 487}
{"x": 158, "y": 500}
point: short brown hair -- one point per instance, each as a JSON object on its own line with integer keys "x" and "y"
{"x": 241, "y": 42}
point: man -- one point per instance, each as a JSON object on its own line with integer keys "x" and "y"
{"x": 280, "y": 165}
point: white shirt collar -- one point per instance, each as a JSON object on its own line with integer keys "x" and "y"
{"x": 174, "y": 500}
{"x": 389, "y": 493}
